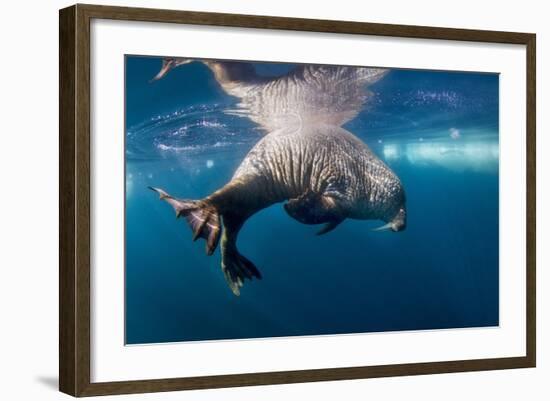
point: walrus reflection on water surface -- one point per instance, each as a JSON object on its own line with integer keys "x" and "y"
{"x": 325, "y": 173}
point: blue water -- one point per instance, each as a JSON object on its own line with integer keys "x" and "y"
{"x": 438, "y": 131}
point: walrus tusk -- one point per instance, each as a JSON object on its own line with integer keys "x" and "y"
{"x": 385, "y": 227}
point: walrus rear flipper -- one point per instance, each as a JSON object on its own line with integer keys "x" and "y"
{"x": 202, "y": 217}
{"x": 236, "y": 268}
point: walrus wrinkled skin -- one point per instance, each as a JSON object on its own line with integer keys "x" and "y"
{"x": 325, "y": 174}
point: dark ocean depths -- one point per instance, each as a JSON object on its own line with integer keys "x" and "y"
{"x": 437, "y": 130}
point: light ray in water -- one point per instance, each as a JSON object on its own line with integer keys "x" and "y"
{"x": 479, "y": 155}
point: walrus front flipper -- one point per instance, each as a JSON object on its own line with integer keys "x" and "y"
{"x": 202, "y": 217}
{"x": 314, "y": 208}
{"x": 331, "y": 225}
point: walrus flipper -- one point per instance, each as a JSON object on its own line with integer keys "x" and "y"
{"x": 202, "y": 217}
{"x": 314, "y": 208}
{"x": 331, "y": 225}
{"x": 235, "y": 267}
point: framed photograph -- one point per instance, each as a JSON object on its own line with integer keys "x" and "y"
{"x": 250, "y": 200}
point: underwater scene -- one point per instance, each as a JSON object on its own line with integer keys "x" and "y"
{"x": 274, "y": 200}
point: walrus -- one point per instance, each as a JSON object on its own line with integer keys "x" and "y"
{"x": 322, "y": 172}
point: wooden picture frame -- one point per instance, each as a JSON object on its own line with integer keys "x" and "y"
{"x": 74, "y": 201}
